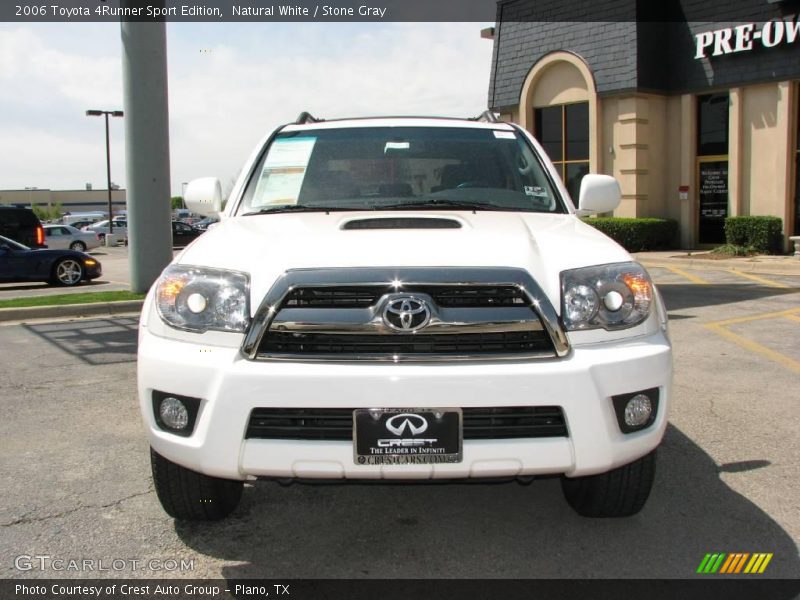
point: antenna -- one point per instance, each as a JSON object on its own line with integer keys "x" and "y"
{"x": 487, "y": 116}
{"x": 306, "y": 117}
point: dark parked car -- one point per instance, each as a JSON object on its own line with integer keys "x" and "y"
{"x": 22, "y": 225}
{"x": 183, "y": 233}
{"x": 57, "y": 267}
{"x": 203, "y": 224}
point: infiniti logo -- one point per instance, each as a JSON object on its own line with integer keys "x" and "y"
{"x": 401, "y": 423}
{"x": 406, "y": 313}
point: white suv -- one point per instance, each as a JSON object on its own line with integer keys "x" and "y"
{"x": 403, "y": 299}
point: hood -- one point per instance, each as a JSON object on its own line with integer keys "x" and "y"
{"x": 267, "y": 245}
{"x": 52, "y": 254}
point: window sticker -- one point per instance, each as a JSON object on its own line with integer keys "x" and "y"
{"x": 284, "y": 171}
{"x": 396, "y": 146}
{"x": 504, "y": 135}
{"x": 535, "y": 191}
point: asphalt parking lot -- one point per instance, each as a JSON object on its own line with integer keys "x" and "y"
{"x": 77, "y": 485}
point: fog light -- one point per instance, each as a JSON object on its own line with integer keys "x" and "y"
{"x": 173, "y": 413}
{"x": 638, "y": 411}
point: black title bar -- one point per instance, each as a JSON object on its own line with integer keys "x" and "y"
{"x": 393, "y": 10}
{"x": 744, "y": 588}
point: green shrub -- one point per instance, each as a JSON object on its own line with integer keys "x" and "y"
{"x": 636, "y": 235}
{"x": 731, "y": 250}
{"x": 765, "y": 234}
{"x": 47, "y": 213}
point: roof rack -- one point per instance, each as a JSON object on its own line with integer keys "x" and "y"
{"x": 306, "y": 117}
{"x": 487, "y": 116}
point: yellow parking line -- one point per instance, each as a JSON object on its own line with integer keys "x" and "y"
{"x": 689, "y": 276}
{"x": 752, "y": 346}
{"x": 769, "y": 282}
{"x": 794, "y": 317}
{"x": 770, "y": 315}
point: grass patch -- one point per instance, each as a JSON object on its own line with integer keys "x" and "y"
{"x": 79, "y": 298}
{"x": 734, "y": 250}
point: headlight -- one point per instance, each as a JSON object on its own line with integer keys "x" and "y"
{"x": 615, "y": 296}
{"x": 199, "y": 299}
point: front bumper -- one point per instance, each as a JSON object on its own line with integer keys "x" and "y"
{"x": 93, "y": 271}
{"x": 231, "y": 386}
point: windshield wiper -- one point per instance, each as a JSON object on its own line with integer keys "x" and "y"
{"x": 445, "y": 202}
{"x": 299, "y": 208}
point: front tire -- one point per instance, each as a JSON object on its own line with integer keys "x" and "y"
{"x": 618, "y": 493}
{"x": 67, "y": 272}
{"x": 192, "y": 496}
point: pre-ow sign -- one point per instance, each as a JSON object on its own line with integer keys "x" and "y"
{"x": 742, "y": 38}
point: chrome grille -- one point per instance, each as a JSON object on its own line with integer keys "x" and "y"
{"x": 444, "y": 296}
{"x": 341, "y": 315}
{"x": 310, "y": 343}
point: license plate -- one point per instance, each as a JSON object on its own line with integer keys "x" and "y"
{"x": 395, "y": 436}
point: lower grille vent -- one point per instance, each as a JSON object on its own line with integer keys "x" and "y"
{"x": 337, "y": 423}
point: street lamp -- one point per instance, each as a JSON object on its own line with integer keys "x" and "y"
{"x": 113, "y": 113}
{"x": 30, "y": 192}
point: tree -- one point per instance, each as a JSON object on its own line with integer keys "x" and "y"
{"x": 48, "y": 213}
{"x": 176, "y": 202}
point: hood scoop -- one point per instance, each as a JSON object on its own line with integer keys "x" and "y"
{"x": 402, "y": 223}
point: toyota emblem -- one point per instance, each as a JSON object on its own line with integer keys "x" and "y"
{"x": 407, "y": 423}
{"x": 406, "y": 313}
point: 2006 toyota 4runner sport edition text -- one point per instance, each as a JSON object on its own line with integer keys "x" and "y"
{"x": 403, "y": 299}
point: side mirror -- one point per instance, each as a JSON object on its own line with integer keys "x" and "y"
{"x": 599, "y": 194}
{"x": 204, "y": 196}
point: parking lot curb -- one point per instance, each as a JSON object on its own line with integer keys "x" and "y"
{"x": 97, "y": 309}
{"x": 767, "y": 267}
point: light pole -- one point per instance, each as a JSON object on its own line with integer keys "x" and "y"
{"x": 113, "y": 113}
{"x": 30, "y": 192}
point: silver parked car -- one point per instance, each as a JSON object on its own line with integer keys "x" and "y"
{"x": 62, "y": 237}
{"x": 101, "y": 228}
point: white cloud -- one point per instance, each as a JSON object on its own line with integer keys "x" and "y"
{"x": 47, "y": 141}
{"x": 229, "y": 85}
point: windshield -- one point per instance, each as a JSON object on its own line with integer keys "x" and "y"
{"x": 4, "y": 241}
{"x": 395, "y": 168}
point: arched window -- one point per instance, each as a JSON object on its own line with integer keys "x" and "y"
{"x": 563, "y": 131}
{"x": 558, "y": 105}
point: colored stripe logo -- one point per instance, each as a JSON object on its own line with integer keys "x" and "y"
{"x": 734, "y": 563}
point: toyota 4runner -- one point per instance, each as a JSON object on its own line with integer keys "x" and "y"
{"x": 403, "y": 299}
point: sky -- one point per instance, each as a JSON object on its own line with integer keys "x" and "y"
{"x": 230, "y": 84}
